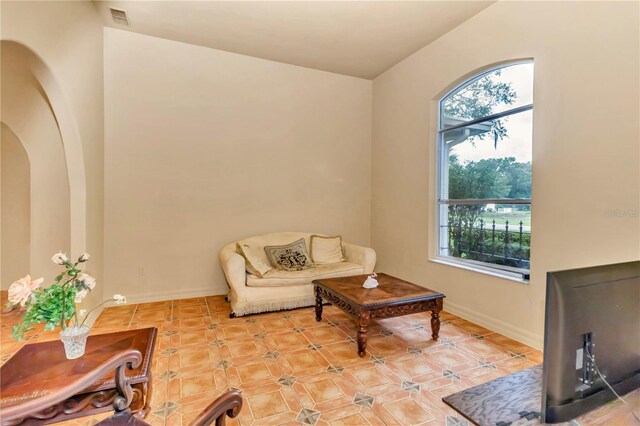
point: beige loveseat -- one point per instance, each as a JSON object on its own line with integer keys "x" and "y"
{"x": 277, "y": 290}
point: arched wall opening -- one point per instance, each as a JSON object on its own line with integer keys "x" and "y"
{"x": 35, "y": 111}
{"x": 15, "y": 205}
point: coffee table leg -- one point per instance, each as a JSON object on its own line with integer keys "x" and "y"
{"x": 362, "y": 331}
{"x": 435, "y": 319}
{"x": 318, "y": 304}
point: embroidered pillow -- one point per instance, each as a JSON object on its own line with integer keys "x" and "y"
{"x": 326, "y": 249}
{"x": 289, "y": 257}
{"x": 253, "y": 263}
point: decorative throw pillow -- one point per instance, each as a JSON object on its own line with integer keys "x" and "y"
{"x": 253, "y": 263}
{"x": 326, "y": 249}
{"x": 289, "y": 257}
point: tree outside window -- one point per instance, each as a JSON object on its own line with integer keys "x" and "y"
{"x": 484, "y": 170}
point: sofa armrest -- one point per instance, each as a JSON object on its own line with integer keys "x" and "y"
{"x": 234, "y": 268}
{"x": 364, "y": 256}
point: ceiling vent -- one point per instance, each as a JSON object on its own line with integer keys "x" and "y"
{"x": 119, "y": 16}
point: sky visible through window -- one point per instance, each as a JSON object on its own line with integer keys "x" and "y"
{"x": 517, "y": 143}
{"x": 486, "y": 162}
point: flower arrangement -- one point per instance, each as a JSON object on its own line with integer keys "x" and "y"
{"x": 56, "y": 304}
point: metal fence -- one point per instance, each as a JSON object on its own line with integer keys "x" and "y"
{"x": 501, "y": 244}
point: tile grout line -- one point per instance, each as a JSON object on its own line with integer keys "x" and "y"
{"x": 133, "y": 314}
{"x": 320, "y": 353}
{"x": 348, "y": 335}
{"x": 164, "y": 420}
{"x": 226, "y": 376}
{"x": 164, "y": 417}
{"x": 473, "y": 355}
{"x": 328, "y": 362}
{"x": 295, "y": 394}
{"x": 459, "y": 334}
{"x": 282, "y": 373}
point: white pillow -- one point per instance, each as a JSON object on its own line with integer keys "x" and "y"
{"x": 253, "y": 262}
{"x": 326, "y": 249}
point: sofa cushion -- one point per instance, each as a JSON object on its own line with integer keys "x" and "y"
{"x": 275, "y": 278}
{"x": 254, "y": 263}
{"x": 259, "y": 242}
{"x": 289, "y": 257}
{"x": 325, "y": 250}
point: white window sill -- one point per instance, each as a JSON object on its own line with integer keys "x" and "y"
{"x": 483, "y": 270}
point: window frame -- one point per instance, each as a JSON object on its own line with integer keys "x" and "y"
{"x": 442, "y": 158}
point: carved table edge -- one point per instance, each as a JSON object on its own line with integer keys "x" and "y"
{"x": 143, "y": 376}
{"x": 377, "y": 305}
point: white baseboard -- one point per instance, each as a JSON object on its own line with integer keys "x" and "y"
{"x": 173, "y": 295}
{"x": 516, "y": 333}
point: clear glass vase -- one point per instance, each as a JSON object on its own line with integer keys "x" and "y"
{"x": 74, "y": 340}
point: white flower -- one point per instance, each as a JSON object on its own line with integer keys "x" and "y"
{"x": 84, "y": 257}
{"x": 21, "y": 290}
{"x": 81, "y": 295}
{"x": 88, "y": 281}
{"x": 60, "y": 258}
{"x": 82, "y": 313}
{"x": 120, "y": 299}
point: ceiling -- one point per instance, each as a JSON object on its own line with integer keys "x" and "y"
{"x": 357, "y": 38}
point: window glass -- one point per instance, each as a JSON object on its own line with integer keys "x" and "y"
{"x": 484, "y": 170}
{"x": 490, "y": 93}
{"x": 479, "y": 166}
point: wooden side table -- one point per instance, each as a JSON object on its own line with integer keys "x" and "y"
{"x": 41, "y": 368}
{"x": 392, "y": 298}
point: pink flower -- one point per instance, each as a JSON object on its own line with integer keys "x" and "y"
{"x": 20, "y": 290}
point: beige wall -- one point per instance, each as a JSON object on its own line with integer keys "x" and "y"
{"x": 586, "y": 156}
{"x": 204, "y": 147}
{"x": 14, "y": 211}
{"x": 65, "y": 41}
{"x": 26, "y": 110}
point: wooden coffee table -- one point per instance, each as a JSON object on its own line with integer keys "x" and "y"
{"x": 39, "y": 369}
{"x": 392, "y": 298}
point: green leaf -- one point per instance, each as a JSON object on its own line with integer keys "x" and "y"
{"x": 17, "y": 332}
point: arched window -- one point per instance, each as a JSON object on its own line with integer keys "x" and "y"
{"x": 484, "y": 171}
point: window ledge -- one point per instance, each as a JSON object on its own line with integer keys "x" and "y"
{"x": 487, "y": 271}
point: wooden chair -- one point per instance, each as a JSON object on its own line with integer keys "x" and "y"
{"x": 228, "y": 404}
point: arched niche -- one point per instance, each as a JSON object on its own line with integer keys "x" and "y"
{"x": 15, "y": 206}
{"x": 36, "y": 110}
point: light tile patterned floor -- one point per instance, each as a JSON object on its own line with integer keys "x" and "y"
{"x": 293, "y": 370}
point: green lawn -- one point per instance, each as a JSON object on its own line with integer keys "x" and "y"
{"x": 514, "y": 218}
